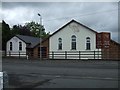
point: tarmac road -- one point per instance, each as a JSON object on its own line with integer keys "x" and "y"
{"x": 61, "y": 74}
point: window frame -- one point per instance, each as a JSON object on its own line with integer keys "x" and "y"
{"x": 88, "y": 43}
{"x": 73, "y": 42}
{"x": 20, "y": 46}
{"x": 11, "y": 46}
{"x": 59, "y": 43}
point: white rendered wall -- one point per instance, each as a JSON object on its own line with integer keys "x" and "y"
{"x": 73, "y": 29}
{"x": 15, "y": 47}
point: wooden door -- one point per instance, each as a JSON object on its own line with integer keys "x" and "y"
{"x": 44, "y": 52}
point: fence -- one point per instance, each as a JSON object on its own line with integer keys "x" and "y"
{"x": 15, "y": 54}
{"x": 104, "y": 54}
{"x": 75, "y": 55}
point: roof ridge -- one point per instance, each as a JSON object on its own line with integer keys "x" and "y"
{"x": 27, "y": 36}
{"x": 29, "y": 40}
{"x": 115, "y": 41}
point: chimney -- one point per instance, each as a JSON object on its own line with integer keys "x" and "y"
{"x": 103, "y": 40}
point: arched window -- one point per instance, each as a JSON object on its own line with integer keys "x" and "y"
{"x": 20, "y": 45}
{"x": 11, "y": 46}
{"x": 88, "y": 46}
{"x": 73, "y": 42}
{"x": 60, "y": 44}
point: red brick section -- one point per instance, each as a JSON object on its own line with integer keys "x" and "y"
{"x": 114, "y": 50}
{"x": 110, "y": 48}
{"x": 29, "y": 52}
{"x": 45, "y": 43}
{"x": 36, "y": 52}
{"x": 103, "y": 40}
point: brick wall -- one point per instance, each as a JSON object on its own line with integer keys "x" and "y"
{"x": 36, "y": 52}
{"x": 46, "y": 44}
{"x": 113, "y": 52}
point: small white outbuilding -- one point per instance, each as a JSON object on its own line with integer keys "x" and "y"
{"x": 20, "y": 44}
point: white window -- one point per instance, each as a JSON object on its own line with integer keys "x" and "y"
{"x": 60, "y": 44}
{"x": 73, "y": 42}
{"x": 88, "y": 46}
{"x": 20, "y": 45}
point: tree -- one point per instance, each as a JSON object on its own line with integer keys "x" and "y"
{"x": 30, "y": 29}
{"x": 21, "y": 30}
{"x": 6, "y": 34}
{"x": 25, "y": 31}
{"x": 37, "y": 30}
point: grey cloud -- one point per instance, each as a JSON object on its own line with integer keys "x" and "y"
{"x": 11, "y": 5}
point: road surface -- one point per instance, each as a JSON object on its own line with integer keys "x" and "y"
{"x": 61, "y": 74}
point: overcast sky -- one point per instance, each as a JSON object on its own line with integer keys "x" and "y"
{"x": 100, "y": 16}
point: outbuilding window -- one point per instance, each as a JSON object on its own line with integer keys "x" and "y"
{"x": 73, "y": 42}
{"x": 60, "y": 44}
{"x": 88, "y": 46}
{"x": 20, "y": 45}
{"x": 11, "y": 46}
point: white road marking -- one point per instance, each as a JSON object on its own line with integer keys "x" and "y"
{"x": 80, "y": 77}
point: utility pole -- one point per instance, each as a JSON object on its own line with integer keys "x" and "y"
{"x": 40, "y": 34}
{"x": 40, "y": 18}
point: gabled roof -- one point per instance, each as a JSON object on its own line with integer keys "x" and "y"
{"x": 79, "y": 24}
{"x": 32, "y": 41}
{"x": 71, "y": 22}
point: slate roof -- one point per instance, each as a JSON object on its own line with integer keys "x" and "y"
{"x": 32, "y": 41}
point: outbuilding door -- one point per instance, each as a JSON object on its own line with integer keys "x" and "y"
{"x": 44, "y": 52}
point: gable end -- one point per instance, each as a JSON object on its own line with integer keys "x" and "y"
{"x": 71, "y": 22}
